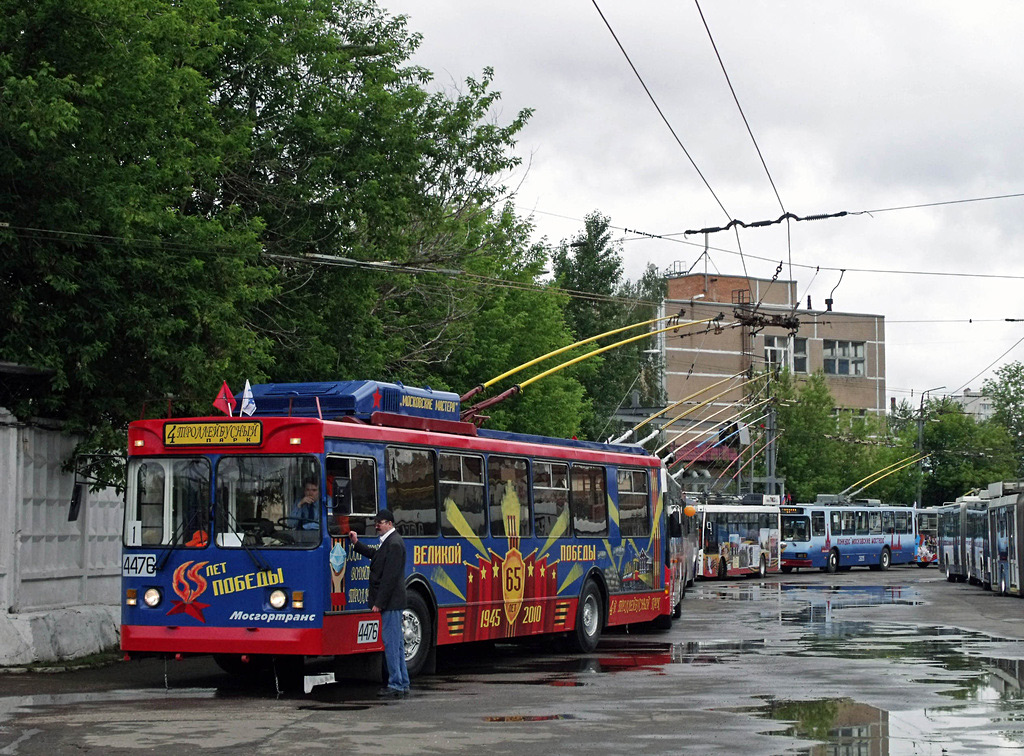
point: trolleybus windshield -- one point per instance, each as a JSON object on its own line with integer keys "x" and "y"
{"x": 795, "y": 528}
{"x": 168, "y": 502}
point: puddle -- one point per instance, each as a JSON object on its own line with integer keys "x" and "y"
{"x": 535, "y": 718}
{"x": 845, "y": 726}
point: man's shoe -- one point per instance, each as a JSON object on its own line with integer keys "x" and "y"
{"x": 389, "y": 693}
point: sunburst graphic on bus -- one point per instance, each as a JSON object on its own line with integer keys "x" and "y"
{"x": 520, "y": 584}
{"x": 185, "y": 577}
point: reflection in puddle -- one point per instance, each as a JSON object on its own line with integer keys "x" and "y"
{"x": 844, "y": 726}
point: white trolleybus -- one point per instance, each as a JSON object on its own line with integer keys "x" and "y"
{"x": 738, "y": 536}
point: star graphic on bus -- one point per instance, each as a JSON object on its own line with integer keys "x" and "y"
{"x": 184, "y": 588}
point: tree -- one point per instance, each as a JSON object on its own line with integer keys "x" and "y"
{"x": 822, "y": 450}
{"x": 201, "y": 170}
{"x": 590, "y": 268}
{"x": 808, "y": 456}
{"x": 348, "y": 157}
{"x": 1007, "y": 392}
{"x": 964, "y": 454}
{"x": 107, "y": 279}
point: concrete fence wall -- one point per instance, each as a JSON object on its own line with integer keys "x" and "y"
{"x": 59, "y": 579}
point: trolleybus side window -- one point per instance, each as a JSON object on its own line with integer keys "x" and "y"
{"x": 170, "y": 502}
{"x": 849, "y": 522}
{"x": 462, "y": 495}
{"x": 836, "y": 522}
{"x": 817, "y": 523}
{"x": 352, "y": 486}
{"x": 589, "y": 500}
{"x": 551, "y": 499}
{"x": 257, "y": 499}
{"x": 412, "y": 490}
{"x": 862, "y": 522}
{"x": 509, "y": 494}
{"x": 634, "y": 509}
{"x": 875, "y": 523}
{"x": 903, "y": 522}
{"x": 887, "y": 522}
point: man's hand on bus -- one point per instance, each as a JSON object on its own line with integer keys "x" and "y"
{"x": 352, "y": 536}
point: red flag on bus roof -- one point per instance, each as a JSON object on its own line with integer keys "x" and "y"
{"x": 225, "y": 400}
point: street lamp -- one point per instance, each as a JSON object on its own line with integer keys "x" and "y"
{"x": 920, "y": 441}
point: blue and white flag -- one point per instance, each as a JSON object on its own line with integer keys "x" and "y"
{"x": 248, "y": 404}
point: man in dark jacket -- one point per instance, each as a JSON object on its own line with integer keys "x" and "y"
{"x": 387, "y": 596}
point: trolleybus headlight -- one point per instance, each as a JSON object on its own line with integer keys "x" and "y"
{"x": 152, "y": 597}
{"x": 278, "y": 599}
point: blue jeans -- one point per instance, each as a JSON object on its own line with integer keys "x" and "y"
{"x": 394, "y": 649}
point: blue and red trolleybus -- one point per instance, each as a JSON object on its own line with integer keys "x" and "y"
{"x": 508, "y": 535}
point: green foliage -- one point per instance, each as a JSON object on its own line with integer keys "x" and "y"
{"x": 590, "y": 268}
{"x": 1007, "y": 393}
{"x": 964, "y": 454}
{"x": 218, "y": 182}
{"x": 824, "y": 451}
{"x": 105, "y": 277}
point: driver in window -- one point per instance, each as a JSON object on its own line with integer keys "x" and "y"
{"x": 306, "y": 510}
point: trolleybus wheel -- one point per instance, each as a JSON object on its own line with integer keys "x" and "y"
{"x": 762, "y": 568}
{"x": 885, "y": 559}
{"x": 723, "y": 568}
{"x": 589, "y": 619}
{"x": 1002, "y": 585}
{"x": 417, "y": 633}
{"x": 787, "y": 569}
{"x": 832, "y": 563}
{"x": 950, "y": 577}
{"x": 923, "y": 564}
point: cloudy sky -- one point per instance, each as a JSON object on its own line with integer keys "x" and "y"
{"x": 855, "y": 106}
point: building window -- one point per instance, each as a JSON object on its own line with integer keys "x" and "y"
{"x": 741, "y": 296}
{"x": 843, "y": 357}
{"x": 776, "y": 353}
{"x": 799, "y": 355}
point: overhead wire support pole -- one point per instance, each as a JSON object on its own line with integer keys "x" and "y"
{"x": 753, "y": 456}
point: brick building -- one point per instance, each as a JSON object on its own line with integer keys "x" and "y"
{"x": 848, "y": 347}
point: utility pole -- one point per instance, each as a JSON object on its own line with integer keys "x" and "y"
{"x": 920, "y": 441}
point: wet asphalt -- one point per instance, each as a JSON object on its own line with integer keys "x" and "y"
{"x": 899, "y": 662}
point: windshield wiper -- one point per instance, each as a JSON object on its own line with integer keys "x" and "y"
{"x": 257, "y": 559}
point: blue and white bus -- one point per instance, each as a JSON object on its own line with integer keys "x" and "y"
{"x": 963, "y": 540}
{"x": 833, "y": 535}
{"x": 1006, "y": 543}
